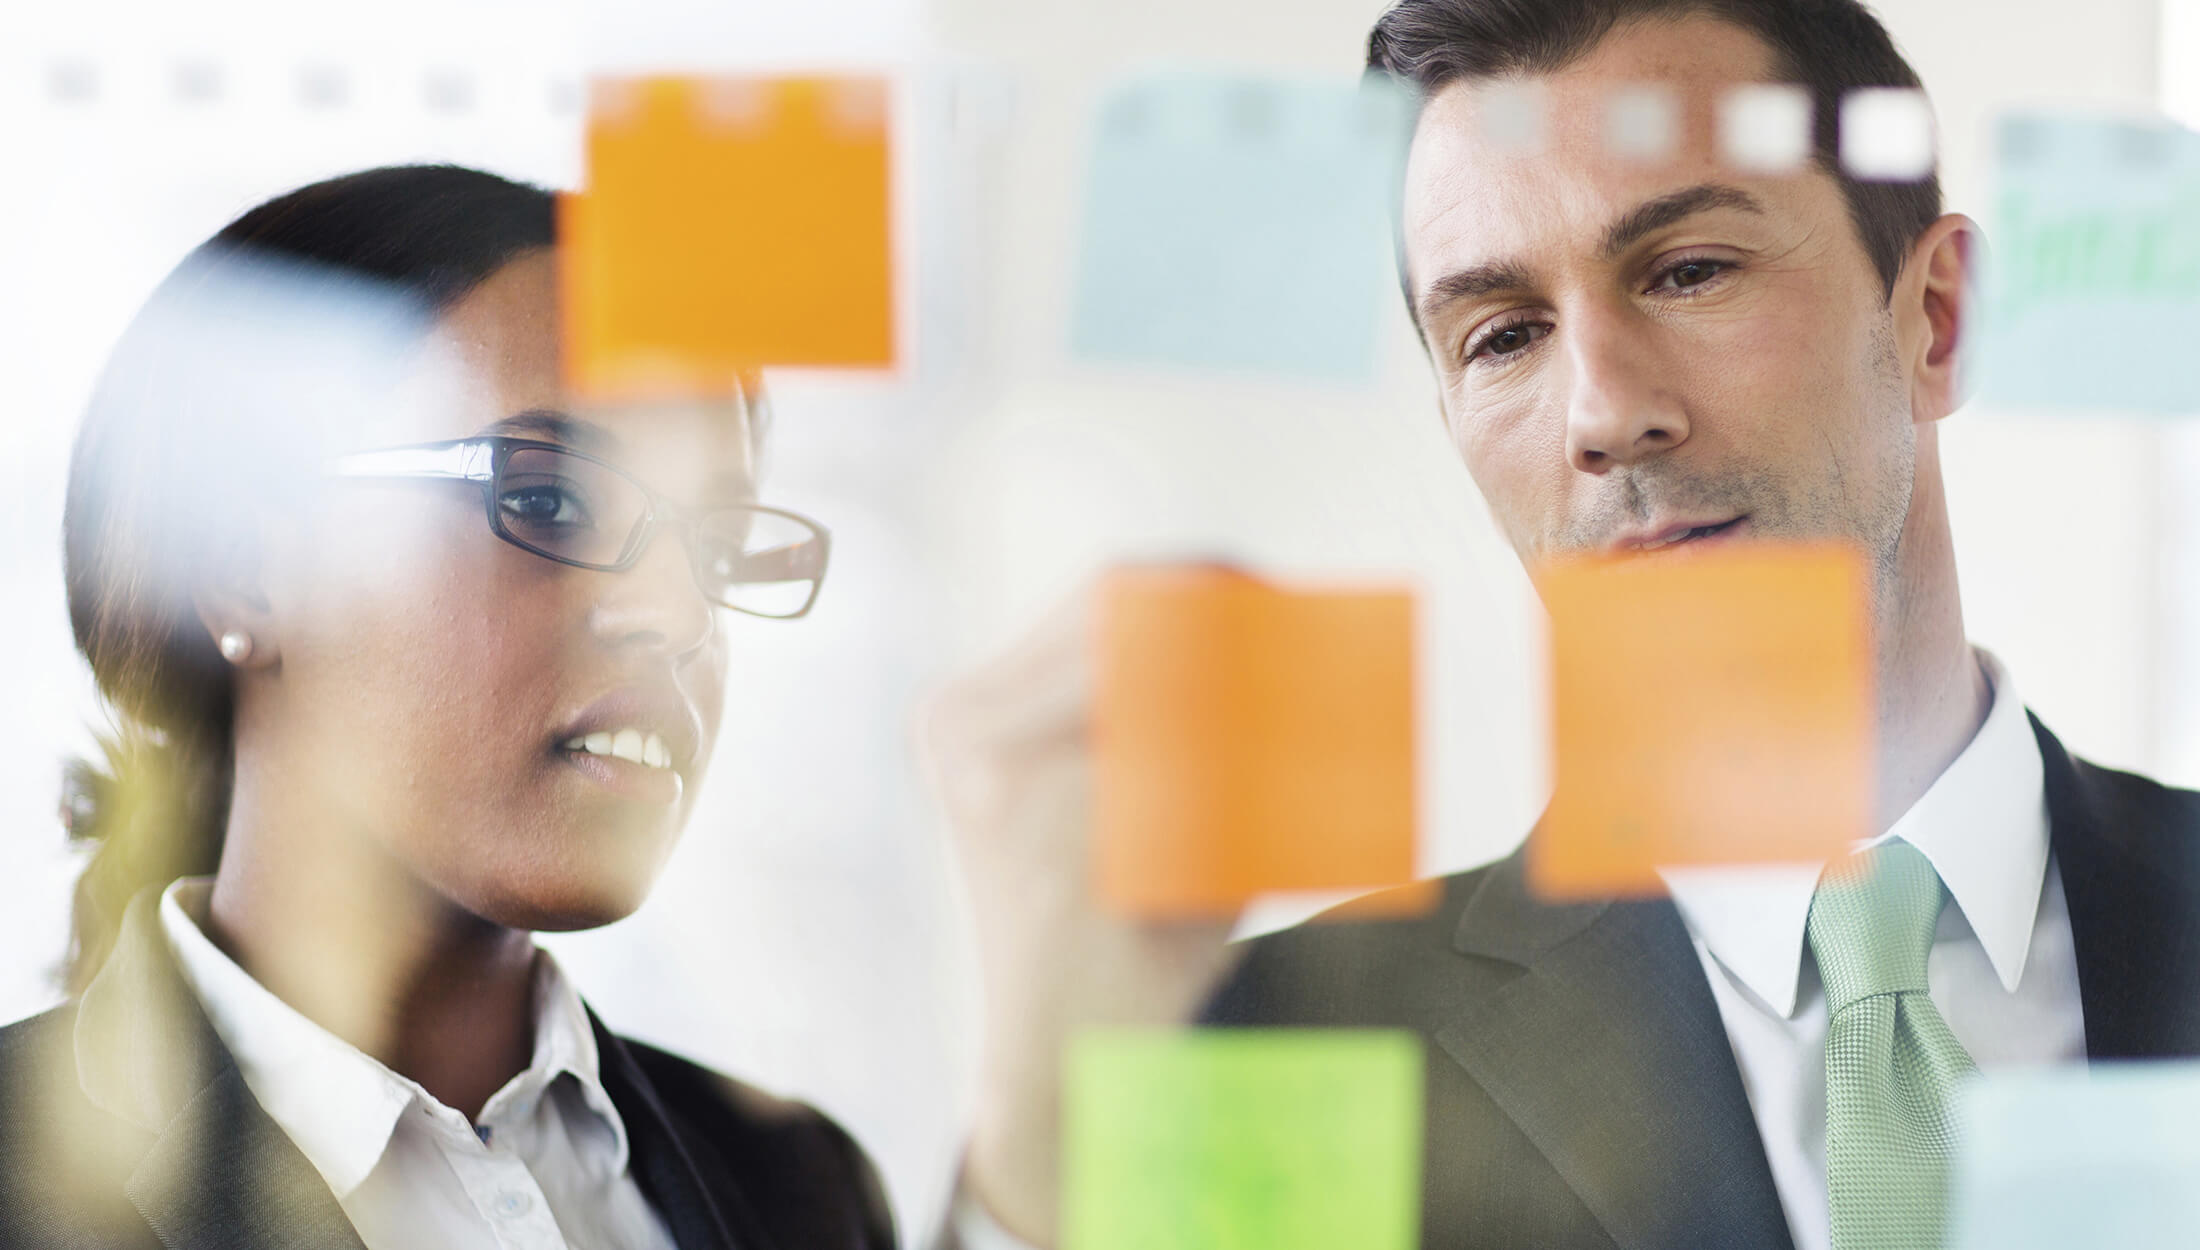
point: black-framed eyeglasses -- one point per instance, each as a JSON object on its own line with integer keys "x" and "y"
{"x": 581, "y": 510}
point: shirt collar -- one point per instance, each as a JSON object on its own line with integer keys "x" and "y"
{"x": 1982, "y": 824}
{"x": 339, "y": 1104}
{"x": 565, "y": 1044}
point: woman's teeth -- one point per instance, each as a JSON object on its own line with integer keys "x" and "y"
{"x": 627, "y": 744}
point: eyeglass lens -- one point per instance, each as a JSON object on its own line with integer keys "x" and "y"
{"x": 571, "y": 508}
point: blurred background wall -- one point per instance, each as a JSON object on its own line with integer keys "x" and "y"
{"x": 806, "y": 936}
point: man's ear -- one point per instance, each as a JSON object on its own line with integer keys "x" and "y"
{"x": 233, "y": 604}
{"x": 1935, "y": 301}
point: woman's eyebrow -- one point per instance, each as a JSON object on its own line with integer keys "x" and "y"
{"x": 559, "y": 427}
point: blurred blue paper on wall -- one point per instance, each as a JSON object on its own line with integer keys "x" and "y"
{"x": 1240, "y": 225}
{"x": 2074, "y": 1156}
{"x": 2092, "y": 284}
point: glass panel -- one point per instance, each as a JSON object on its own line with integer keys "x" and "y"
{"x": 757, "y": 561}
{"x": 569, "y": 507}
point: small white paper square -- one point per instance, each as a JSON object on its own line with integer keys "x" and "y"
{"x": 1514, "y": 116}
{"x": 1765, "y": 128}
{"x": 1887, "y": 134}
{"x": 1642, "y": 124}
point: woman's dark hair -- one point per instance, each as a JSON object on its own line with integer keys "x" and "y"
{"x": 156, "y": 456}
{"x": 1829, "y": 47}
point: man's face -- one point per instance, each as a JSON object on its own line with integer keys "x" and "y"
{"x": 1632, "y": 352}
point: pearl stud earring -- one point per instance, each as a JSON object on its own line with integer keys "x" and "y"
{"x": 236, "y": 645}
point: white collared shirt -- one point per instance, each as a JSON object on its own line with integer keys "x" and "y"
{"x": 2002, "y": 970}
{"x": 546, "y": 1171}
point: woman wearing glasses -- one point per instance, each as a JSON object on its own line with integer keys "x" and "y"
{"x": 411, "y": 656}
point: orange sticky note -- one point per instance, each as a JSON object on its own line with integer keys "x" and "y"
{"x": 727, "y": 223}
{"x": 1249, "y": 738}
{"x": 1710, "y": 707}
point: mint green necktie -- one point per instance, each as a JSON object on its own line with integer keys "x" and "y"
{"x": 1892, "y": 1066}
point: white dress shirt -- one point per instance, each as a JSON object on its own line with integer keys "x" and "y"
{"x": 2002, "y": 970}
{"x": 546, "y": 1170}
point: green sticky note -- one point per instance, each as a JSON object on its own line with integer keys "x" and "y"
{"x": 1258, "y": 1139}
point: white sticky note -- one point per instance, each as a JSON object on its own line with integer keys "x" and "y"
{"x": 2071, "y": 1156}
{"x": 72, "y": 81}
{"x": 1765, "y": 128}
{"x": 1886, "y": 134}
{"x": 1642, "y": 123}
{"x": 196, "y": 81}
{"x": 323, "y": 86}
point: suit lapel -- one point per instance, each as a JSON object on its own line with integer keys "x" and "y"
{"x": 2129, "y": 854}
{"x": 1607, "y": 1049}
{"x": 223, "y": 1175}
{"x": 219, "y": 1174}
{"x": 664, "y": 1160}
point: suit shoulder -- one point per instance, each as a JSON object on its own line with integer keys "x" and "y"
{"x": 31, "y": 1032}
{"x": 800, "y": 1154}
{"x": 2141, "y": 798}
{"x": 60, "y": 1183}
{"x": 1358, "y": 964}
{"x": 685, "y": 1084}
{"x": 29, "y": 1050}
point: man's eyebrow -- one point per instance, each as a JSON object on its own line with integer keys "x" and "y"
{"x": 1672, "y": 207}
{"x": 1471, "y": 283}
{"x": 1505, "y": 275}
{"x": 558, "y": 427}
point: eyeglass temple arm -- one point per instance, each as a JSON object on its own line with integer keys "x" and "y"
{"x": 467, "y": 461}
{"x": 793, "y": 562}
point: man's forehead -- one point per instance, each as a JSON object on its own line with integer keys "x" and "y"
{"x": 1472, "y": 187}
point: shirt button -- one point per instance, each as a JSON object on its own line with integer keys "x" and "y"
{"x": 511, "y": 1204}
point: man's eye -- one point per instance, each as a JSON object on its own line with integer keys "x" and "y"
{"x": 544, "y": 505}
{"x": 1508, "y": 339}
{"x": 1691, "y": 273}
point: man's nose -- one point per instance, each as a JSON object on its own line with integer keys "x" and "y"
{"x": 1622, "y": 408}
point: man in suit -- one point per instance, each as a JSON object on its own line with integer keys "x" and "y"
{"x": 1647, "y": 355}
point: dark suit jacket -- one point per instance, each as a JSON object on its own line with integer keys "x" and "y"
{"x": 125, "y": 1124}
{"x": 1581, "y": 1089}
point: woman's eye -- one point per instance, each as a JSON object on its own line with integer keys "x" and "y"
{"x": 546, "y": 504}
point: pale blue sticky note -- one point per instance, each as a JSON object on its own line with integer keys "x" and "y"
{"x": 1240, "y": 225}
{"x": 2092, "y": 287}
{"x": 2061, "y": 1157}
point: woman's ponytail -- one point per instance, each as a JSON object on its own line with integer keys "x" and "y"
{"x": 153, "y": 809}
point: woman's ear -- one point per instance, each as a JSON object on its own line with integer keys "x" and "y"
{"x": 1934, "y": 304}
{"x": 233, "y": 604}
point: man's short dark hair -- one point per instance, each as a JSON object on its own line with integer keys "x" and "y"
{"x": 1829, "y": 47}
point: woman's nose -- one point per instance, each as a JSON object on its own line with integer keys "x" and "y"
{"x": 657, "y": 603}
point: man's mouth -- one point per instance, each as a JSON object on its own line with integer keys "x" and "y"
{"x": 1678, "y": 535}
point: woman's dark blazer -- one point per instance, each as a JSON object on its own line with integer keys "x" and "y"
{"x": 125, "y": 1125}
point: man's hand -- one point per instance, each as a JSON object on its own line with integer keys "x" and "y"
{"x": 1009, "y": 753}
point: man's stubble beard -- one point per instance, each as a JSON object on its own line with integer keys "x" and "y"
{"x": 1826, "y": 506}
